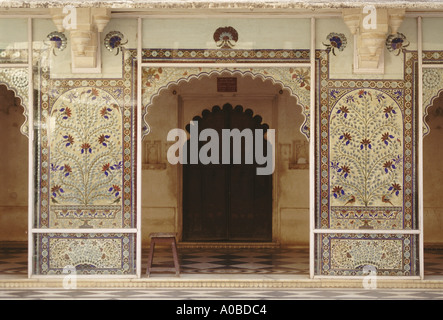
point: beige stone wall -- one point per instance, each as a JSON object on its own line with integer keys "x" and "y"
{"x": 13, "y": 174}
{"x": 162, "y": 183}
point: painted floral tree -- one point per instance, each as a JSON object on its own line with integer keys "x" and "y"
{"x": 366, "y": 136}
{"x": 86, "y": 148}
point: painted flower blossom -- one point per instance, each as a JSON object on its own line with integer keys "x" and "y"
{"x": 350, "y": 98}
{"x": 115, "y": 190}
{"x": 103, "y": 140}
{"x": 362, "y": 93}
{"x": 68, "y": 139}
{"x": 337, "y": 41}
{"x": 57, "y": 190}
{"x": 66, "y": 113}
{"x": 389, "y": 111}
{"x": 335, "y": 165}
{"x": 333, "y": 93}
{"x": 395, "y": 187}
{"x": 151, "y": 75}
{"x": 302, "y": 77}
{"x": 344, "y": 110}
{"x": 365, "y": 143}
{"x": 386, "y": 138}
{"x": 105, "y": 169}
{"x": 94, "y": 93}
{"x": 397, "y": 42}
{"x": 67, "y": 170}
{"x": 344, "y": 171}
{"x": 337, "y": 191}
{"x": 104, "y": 112}
{"x": 86, "y": 147}
{"x": 388, "y": 166}
{"x": 346, "y": 137}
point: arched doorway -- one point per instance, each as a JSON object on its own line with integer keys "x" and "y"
{"x": 177, "y": 104}
{"x": 14, "y": 173}
{"x": 226, "y": 200}
{"x": 432, "y": 187}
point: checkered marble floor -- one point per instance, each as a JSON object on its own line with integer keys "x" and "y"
{"x": 295, "y": 261}
{"x": 234, "y": 261}
{"x": 220, "y": 294}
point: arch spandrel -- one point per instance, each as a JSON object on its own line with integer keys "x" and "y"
{"x": 294, "y": 79}
{"x": 16, "y": 80}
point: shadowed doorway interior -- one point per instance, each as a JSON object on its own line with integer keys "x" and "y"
{"x": 227, "y": 202}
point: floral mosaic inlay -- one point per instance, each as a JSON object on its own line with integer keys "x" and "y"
{"x": 349, "y": 254}
{"x": 87, "y": 253}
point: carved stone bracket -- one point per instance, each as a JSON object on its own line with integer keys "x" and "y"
{"x": 84, "y": 26}
{"x": 370, "y": 27}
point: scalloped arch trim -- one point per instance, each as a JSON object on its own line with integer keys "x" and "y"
{"x": 24, "y": 126}
{"x": 157, "y": 80}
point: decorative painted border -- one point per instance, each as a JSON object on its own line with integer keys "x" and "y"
{"x": 14, "y": 56}
{"x": 225, "y": 56}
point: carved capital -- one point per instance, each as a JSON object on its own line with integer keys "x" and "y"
{"x": 370, "y": 27}
{"x": 84, "y": 26}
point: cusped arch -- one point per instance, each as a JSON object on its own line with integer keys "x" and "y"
{"x": 16, "y": 81}
{"x": 157, "y": 80}
{"x": 434, "y": 101}
{"x": 238, "y": 108}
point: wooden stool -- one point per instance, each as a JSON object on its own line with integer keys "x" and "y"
{"x": 161, "y": 237}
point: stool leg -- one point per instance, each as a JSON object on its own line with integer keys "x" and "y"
{"x": 151, "y": 255}
{"x": 174, "y": 253}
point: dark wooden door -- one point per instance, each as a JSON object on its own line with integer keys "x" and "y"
{"x": 227, "y": 202}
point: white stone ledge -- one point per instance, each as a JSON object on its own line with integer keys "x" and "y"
{"x": 223, "y": 281}
{"x": 220, "y": 4}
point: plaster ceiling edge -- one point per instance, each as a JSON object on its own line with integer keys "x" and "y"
{"x": 220, "y": 4}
